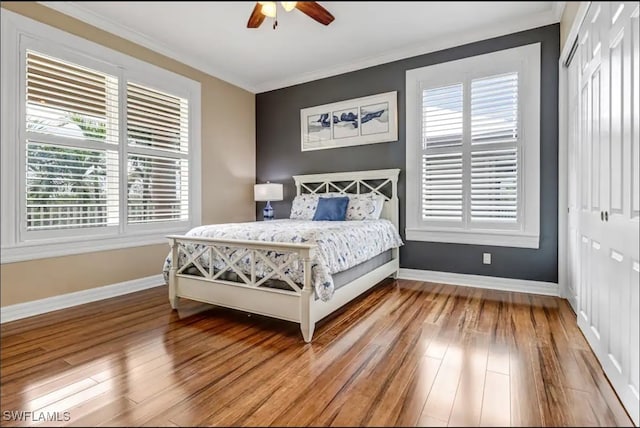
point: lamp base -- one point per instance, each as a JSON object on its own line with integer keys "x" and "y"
{"x": 267, "y": 212}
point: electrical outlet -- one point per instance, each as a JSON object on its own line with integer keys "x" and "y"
{"x": 486, "y": 258}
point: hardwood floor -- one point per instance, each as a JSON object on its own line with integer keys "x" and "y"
{"x": 407, "y": 353}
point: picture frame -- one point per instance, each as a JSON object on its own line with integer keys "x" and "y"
{"x": 366, "y": 120}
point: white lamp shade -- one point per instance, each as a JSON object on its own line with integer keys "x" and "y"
{"x": 289, "y": 5}
{"x": 268, "y": 192}
{"x": 268, "y": 8}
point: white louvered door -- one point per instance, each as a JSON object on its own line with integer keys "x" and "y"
{"x": 606, "y": 160}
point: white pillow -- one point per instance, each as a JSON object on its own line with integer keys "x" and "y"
{"x": 304, "y": 207}
{"x": 361, "y": 207}
{"x": 366, "y": 206}
{"x": 379, "y": 206}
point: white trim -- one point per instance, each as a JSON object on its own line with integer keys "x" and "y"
{"x": 563, "y": 183}
{"x": 481, "y": 281}
{"x": 563, "y": 157}
{"x": 558, "y": 9}
{"x": 535, "y": 20}
{"x": 436, "y": 44}
{"x": 41, "y": 306}
{"x": 9, "y": 77}
{"x": 18, "y": 246}
{"x": 526, "y": 61}
{"x": 76, "y": 10}
{"x": 575, "y": 28}
{"x": 195, "y": 158}
{"x": 59, "y": 249}
{"x": 496, "y": 238}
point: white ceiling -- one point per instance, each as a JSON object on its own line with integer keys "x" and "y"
{"x": 212, "y": 36}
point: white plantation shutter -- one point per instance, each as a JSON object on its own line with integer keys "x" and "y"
{"x": 69, "y": 101}
{"x": 494, "y": 168}
{"x": 470, "y": 157}
{"x": 158, "y": 189}
{"x": 442, "y": 173}
{"x": 494, "y": 185}
{"x": 158, "y": 167}
{"x": 72, "y": 149}
{"x": 68, "y": 187}
{"x": 473, "y": 150}
{"x": 97, "y": 146}
{"x": 442, "y": 117}
{"x": 71, "y": 153}
{"x": 442, "y": 187}
{"x": 494, "y": 109}
{"x": 157, "y": 120}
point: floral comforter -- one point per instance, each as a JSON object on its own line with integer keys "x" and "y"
{"x": 341, "y": 245}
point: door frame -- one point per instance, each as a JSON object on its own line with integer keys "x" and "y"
{"x": 563, "y": 157}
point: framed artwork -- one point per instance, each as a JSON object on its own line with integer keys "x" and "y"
{"x": 366, "y": 120}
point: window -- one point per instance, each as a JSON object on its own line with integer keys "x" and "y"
{"x": 71, "y": 146}
{"x": 473, "y": 150}
{"x": 99, "y": 153}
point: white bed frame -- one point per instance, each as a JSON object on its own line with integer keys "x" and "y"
{"x": 250, "y": 295}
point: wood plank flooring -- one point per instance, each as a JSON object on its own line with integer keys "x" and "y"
{"x": 407, "y": 353}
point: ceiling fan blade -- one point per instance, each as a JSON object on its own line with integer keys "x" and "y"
{"x": 256, "y": 17}
{"x": 315, "y": 11}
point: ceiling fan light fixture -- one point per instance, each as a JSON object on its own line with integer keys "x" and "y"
{"x": 289, "y": 5}
{"x": 268, "y": 8}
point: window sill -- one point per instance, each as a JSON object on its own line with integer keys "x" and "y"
{"x": 39, "y": 250}
{"x": 497, "y": 239}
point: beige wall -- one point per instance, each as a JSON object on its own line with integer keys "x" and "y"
{"x": 228, "y": 173}
{"x": 568, "y": 16}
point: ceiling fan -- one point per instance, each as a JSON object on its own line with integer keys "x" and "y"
{"x": 269, "y": 9}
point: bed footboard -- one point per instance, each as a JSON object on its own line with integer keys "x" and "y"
{"x": 196, "y": 280}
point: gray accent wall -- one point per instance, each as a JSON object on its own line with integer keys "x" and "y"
{"x": 278, "y": 155}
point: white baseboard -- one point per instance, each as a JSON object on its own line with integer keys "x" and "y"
{"x": 573, "y": 302}
{"x": 37, "y": 307}
{"x": 481, "y": 281}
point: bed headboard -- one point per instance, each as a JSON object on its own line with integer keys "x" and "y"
{"x": 382, "y": 182}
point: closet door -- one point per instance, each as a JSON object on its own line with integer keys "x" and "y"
{"x": 622, "y": 207}
{"x": 573, "y": 238}
{"x": 608, "y": 170}
{"x": 592, "y": 317}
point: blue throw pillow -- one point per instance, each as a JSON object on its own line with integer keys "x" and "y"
{"x": 332, "y": 209}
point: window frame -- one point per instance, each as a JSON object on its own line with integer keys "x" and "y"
{"x": 526, "y": 232}
{"x": 19, "y": 34}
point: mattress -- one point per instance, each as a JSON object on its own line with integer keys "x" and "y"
{"x": 340, "y": 279}
{"x": 340, "y": 246}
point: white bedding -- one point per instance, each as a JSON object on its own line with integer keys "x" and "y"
{"x": 341, "y": 245}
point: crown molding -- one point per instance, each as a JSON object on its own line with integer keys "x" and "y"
{"x": 83, "y": 14}
{"x": 572, "y": 35}
{"x": 558, "y": 9}
{"x": 449, "y": 41}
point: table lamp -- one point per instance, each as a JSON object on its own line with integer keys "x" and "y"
{"x": 267, "y": 192}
